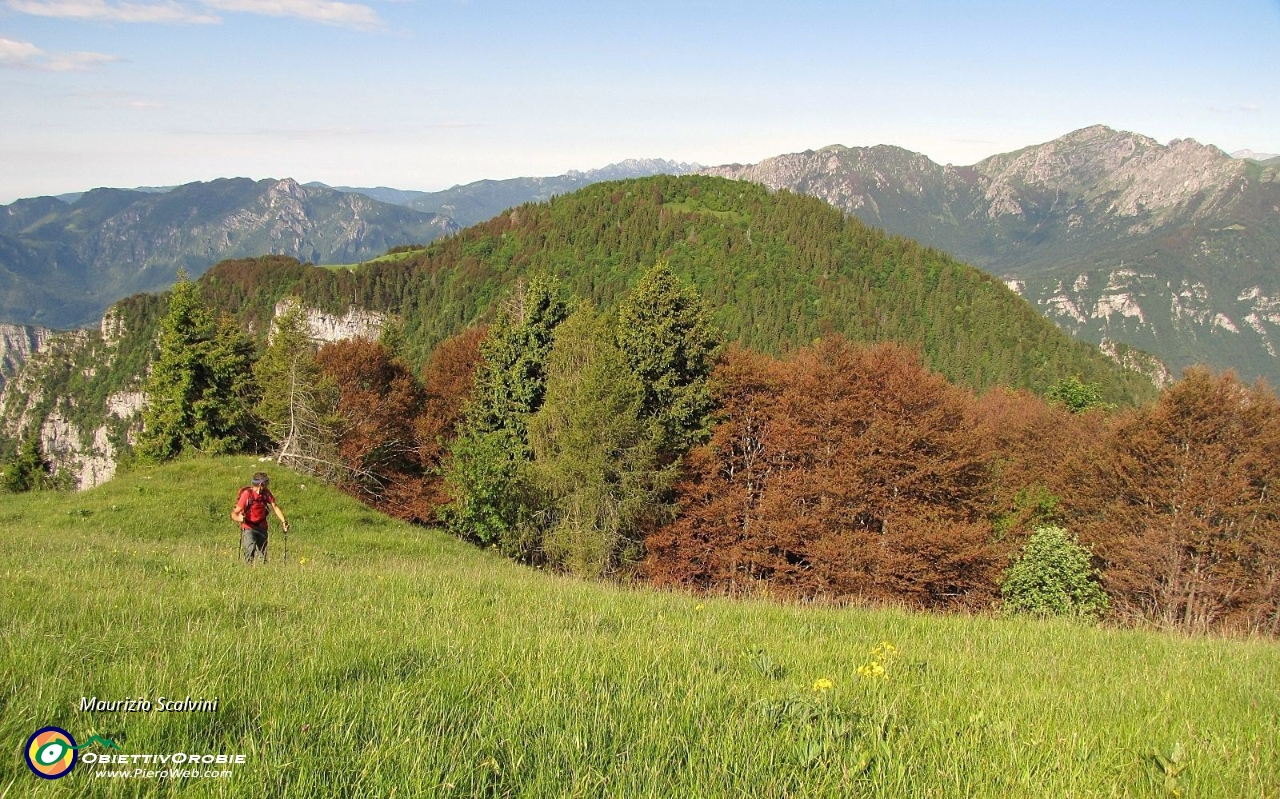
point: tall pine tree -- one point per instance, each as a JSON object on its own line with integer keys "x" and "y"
{"x": 665, "y": 332}
{"x": 201, "y": 389}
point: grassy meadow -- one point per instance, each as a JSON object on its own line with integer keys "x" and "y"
{"x": 384, "y": 660}
{"x": 391, "y": 257}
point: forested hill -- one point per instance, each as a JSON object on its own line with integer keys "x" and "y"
{"x": 778, "y": 270}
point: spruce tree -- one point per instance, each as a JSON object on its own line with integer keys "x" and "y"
{"x": 492, "y": 445}
{"x": 665, "y": 332}
{"x": 596, "y": 467}
{"x": 29, "y": 471}
{"x": 200, "y": 390}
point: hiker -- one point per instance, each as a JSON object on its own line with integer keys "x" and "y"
{"x": 252, "y": 511}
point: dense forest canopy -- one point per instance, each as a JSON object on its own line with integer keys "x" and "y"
{"x": 778, "y": 271}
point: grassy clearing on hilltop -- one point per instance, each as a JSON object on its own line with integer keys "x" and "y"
{"x": 383, "y": 659}
{"x": 389, "y": 258}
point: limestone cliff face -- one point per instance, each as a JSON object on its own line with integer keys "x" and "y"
{"x": 17, "y": 344}
{"x": 324, "y": 327}
{"x": 84, "y": 439}
{"x": 1173, "y": 249}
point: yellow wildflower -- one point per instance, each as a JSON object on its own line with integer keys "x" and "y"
{"x": 822, "y": 684}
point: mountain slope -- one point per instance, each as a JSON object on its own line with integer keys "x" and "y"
{"x": 391, "y": 660}
{"x": 1171, "y": 248}
{"x": 778, "y": 270}
{"x": 62, "y": 265}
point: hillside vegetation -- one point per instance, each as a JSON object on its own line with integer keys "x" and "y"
{"x": 778, "y": 271}
{"x": 383, "y": 659}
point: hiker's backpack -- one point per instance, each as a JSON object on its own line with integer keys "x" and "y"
{"x": 255, "y": 506}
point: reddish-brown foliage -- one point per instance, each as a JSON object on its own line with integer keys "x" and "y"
{"x": 1179, "y": 502}
{"x": 1030, "y": 442}
{"x": 379, "y": 400}
{"x": 843, "y": 472}
{"x": 448, "y": 378}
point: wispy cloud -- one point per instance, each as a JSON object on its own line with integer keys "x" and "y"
{"x": 202, "y": 12}
{"x": 25, "y": 55}
{"x": 1250, "y": 108}
{"x": 328, "y": 12}
{"x": 102, "y": 11}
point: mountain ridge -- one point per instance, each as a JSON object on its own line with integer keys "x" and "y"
{"x": 62, "y": 265}
{"x": 1169, "y": 248}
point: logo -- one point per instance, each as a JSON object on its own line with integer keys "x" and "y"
{"x": 51, "y": 752}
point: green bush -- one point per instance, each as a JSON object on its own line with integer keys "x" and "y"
{"x": 1053, "y": 577}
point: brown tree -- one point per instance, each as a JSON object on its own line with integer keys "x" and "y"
{"x": 378, "y": 402}
{"x": 843, "y": 472}
{"x": 1179, "y": 502}
{"x": 447, "y": 378}
{"x": 1030, "y": 442}
{"x": 723, "y": 482}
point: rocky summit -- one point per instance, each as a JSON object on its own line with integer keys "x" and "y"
{"x": 1173, "y": 249}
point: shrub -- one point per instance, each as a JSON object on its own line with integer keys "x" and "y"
{"x": 1054, "y": 577}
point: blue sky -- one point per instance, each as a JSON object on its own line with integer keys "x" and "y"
{"x": 425, "y": 94}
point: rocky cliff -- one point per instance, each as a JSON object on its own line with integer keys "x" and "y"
{"x": 81, "y": 391}
{"x": 17, "y": 344}
{"x": 1173, "y": 249}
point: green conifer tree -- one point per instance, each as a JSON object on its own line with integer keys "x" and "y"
{"x": 595, "y": 457}
{"x": 665, "y": 332}
{"x": 28, "y": 471}
{"x": 493, "y": 441}
{"x": 200, "y": 391}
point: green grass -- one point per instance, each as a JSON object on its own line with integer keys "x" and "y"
{"x": 384, "y": 660}
{"x": 388, "y": 258}
{"x": 693, "y": 206}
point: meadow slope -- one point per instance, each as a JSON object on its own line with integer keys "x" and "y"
{"x": 385, "y": 660}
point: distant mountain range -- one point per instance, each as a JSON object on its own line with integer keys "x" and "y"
{"x": 65, "y": 259}
{"x": 62, "y": 264}
{"x": 480, "y": 201}
{"x": 1171, "y": 249}
{"x": 1252, "y": 156}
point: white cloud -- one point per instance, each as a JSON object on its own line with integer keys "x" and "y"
{"x": 328, "y": 12}
{"x": 1250, "y": 108}
{"x": 25, "y": 55}
{"x": 17, "y": 53}
{"x": 102, "y": 11}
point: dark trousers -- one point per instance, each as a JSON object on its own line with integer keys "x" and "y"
{"x": 253, "y": 543}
